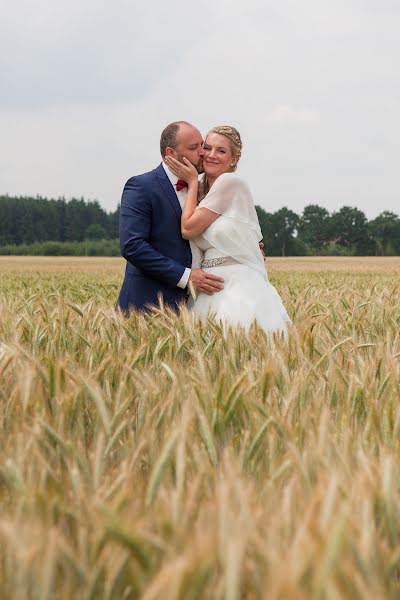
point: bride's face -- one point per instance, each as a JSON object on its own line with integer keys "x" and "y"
{"x": 218, "y": 157}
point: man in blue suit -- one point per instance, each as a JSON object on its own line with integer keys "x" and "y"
{"x": 158, "y": 258}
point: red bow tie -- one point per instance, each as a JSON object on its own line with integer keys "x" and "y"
{"x": 180, "y": 184}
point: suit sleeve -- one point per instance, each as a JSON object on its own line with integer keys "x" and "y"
{"x": 135, "y": 227}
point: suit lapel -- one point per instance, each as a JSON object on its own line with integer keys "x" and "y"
{"x": 168, "y": 190}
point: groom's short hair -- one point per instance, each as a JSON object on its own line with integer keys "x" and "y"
{"x": 169, "y": 135}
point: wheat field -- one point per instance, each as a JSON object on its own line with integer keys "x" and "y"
{"x": 154, "y": 458}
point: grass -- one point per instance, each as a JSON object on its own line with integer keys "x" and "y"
{"x": 155, "y": 458}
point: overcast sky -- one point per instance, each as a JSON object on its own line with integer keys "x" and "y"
{"x": 313, "y": 86}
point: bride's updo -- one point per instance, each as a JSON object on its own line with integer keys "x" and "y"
{"x": 234, "y": 138}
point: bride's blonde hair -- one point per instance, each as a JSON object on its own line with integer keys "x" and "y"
{"x": 235, "y": 142}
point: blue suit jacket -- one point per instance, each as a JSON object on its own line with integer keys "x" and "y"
{"x": 151, "y": 242}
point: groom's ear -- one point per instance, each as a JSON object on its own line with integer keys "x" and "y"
{"x": 170, "y": 152}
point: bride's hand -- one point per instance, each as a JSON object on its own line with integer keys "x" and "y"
{"x": 185, "y": 170}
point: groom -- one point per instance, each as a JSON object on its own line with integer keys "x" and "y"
{"x": 158, "y": 258}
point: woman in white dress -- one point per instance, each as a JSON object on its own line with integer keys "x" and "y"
{"x": 224, "y": 225}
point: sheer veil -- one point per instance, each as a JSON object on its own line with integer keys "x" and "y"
{"x": 237, "y": 232}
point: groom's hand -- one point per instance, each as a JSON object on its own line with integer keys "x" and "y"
{"x": 205, "y": 282}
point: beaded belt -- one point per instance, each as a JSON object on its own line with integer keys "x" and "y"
{"x": 217, "y": 262}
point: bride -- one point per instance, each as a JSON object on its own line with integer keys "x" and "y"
{"x": 224, "y": 225}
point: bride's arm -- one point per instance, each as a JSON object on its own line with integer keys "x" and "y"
{"x": 193, "y": 221}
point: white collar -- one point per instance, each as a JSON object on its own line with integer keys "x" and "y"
{"x": 173, "y": 178}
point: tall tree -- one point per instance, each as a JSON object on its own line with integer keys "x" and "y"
{"x": 314, "y": 226}
{"x": 385, "y": 230}
{"x": 271, "y": 246}
{"x": 113, "y": 224}
{"x": 350, "y": 228}
{"x": 284, "y": 223}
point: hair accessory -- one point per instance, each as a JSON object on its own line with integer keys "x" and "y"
{"x": 226, "y": 129}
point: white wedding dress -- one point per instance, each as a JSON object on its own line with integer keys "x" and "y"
{"x": 230, "y": 247}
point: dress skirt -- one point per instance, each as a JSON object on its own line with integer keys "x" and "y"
{"x": 247, "y": 297}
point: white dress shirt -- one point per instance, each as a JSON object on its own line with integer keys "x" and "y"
{"x": 181, "y": 195}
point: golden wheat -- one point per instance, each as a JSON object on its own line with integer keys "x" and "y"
{"x": 152, "y": 457}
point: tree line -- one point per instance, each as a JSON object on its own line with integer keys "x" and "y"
{"x": 48, "y": 226}
{"x": 25, "y": 220}
{"x": 316, "y": 232}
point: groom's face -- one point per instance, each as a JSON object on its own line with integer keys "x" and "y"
{"x": 190, "y": 144}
